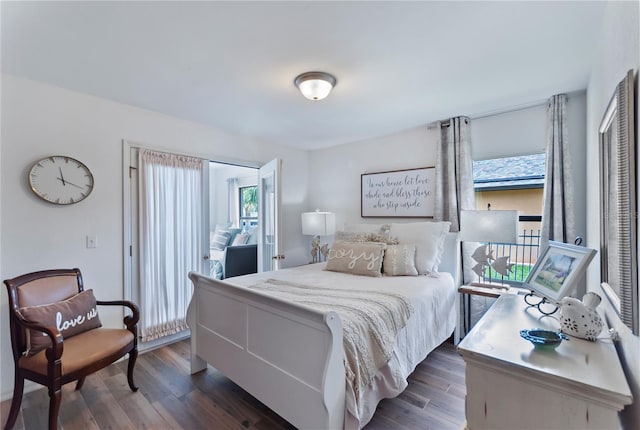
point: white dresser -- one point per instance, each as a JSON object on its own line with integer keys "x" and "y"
{"x": 512, "y": 386}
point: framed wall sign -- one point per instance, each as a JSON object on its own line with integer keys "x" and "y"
{"x": 406, "y": 193}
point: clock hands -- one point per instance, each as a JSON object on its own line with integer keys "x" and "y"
{"x": 70, "y": 183}
{"x": 61, "y": 176}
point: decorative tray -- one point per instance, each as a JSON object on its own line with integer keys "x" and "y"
{"x": 543, "y": 339}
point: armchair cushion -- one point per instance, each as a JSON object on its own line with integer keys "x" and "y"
{"x": 73, "y": 316}
{"x": 81, "y": 351}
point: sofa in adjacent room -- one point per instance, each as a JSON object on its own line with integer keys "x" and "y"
{"x": 233, "y": 252}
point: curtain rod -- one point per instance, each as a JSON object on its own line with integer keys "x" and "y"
{"x": 445, "y": 122}
{"x": 510, "y": 109}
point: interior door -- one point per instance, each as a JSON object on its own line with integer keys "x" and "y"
{"x": 269, "y": 200}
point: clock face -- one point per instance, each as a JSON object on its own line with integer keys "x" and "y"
{"x": 61, "y": 180}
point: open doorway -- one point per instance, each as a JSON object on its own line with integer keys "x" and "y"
{"x": 220, "y": 199}
{"x": 233, "y": 220}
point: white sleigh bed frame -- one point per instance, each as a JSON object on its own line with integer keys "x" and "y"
{"x": 288, "y": 356}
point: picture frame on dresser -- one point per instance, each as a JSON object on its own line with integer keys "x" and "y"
{"x": 558, "y": 269}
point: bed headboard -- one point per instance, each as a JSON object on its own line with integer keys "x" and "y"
{"x": 451, "y": 258}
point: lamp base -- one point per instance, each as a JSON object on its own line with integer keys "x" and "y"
{"x": 318, "y": 253}
{"x": 315, "y": 249}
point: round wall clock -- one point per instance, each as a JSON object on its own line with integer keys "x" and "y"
{"x": 60, "y": 180}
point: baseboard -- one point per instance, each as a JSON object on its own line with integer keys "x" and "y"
{"x": 163, "y": 341}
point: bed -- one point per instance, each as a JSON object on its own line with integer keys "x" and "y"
{"x": 261, "y": 340}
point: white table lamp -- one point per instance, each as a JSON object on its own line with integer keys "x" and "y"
{"x": 493, "y": 226}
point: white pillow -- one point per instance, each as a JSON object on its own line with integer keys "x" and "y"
{"x": 429, "y": 240}
{"x": 253, "y": 235}
{"x": 400, "y": 260}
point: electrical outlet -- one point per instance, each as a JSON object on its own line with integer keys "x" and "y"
{"x": 92, "y": 241}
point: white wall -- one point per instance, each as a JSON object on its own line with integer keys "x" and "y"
{"x": 618, "y": 51}
{"x": 518, "y": 132}
{"x": 40, "y": 120}
{"x": 334, "y": 172}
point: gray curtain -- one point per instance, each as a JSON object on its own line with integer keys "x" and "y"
{"x": 558, "y": 216}
{"x": 454, "y": 171}
{"x": 454, "y": 192}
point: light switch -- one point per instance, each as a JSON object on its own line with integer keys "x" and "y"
{"x": 92, "y": 241}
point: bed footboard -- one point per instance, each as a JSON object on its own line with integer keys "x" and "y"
{"x": 288, "y": 356}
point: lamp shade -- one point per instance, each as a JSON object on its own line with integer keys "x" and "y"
{"x": 318, "y": 223}
{"x": 489, "y": 226}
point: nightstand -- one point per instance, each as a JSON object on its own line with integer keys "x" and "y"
{"x": 485, "y": 290}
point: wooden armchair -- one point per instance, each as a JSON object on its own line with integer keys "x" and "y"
{"x": 65, "y": 356}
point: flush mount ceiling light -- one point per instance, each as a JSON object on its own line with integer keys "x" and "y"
{"x": 315, "y": 85}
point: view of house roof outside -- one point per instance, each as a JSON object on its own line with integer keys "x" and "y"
{"x": 523, "y": 171}
{"x": 514, "y": 183}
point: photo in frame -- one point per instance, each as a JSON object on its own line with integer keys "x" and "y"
{"x": 558, "y": 270}
{"x": 408, "y": 193}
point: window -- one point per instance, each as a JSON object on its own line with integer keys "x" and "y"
{"x": 248, "y": 206}
{"x": 514, "y": 183}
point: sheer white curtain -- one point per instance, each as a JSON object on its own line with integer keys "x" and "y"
{"x": 233, "y": 201}
{"x": 171, "y": 239}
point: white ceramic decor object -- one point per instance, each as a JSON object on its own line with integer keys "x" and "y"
{"x": 580, "y": 318}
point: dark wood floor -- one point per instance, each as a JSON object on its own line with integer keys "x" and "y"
{"x": 170, "y": 398}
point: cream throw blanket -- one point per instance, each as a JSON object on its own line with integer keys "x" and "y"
{"x": 370, "y": 320}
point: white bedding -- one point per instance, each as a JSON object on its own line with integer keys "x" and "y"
{"x": 432, "y": 322}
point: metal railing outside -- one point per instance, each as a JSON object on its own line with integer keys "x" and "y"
{"x": 523, "y": 255}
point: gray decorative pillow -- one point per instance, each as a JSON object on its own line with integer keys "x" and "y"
{"x": 351, "y": 236}
{"x": 356, "y": 258}
{"x": 356, "y": 237}
{"x": 400, "y": 260}
{"x": 363, "y": 228}
{"x": 73, "y": 316}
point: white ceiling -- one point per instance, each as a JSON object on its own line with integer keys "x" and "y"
{"x": 231, "y": 64}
